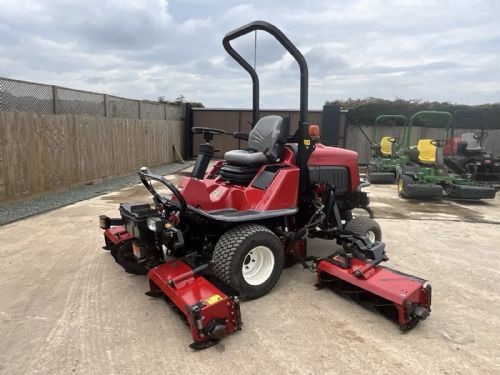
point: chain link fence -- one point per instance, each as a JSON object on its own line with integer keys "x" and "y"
{"x": 23, "y": 96}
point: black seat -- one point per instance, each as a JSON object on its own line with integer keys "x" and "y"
{"x": 265, "y": 145}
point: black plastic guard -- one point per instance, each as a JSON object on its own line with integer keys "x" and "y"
{"x": 472, "y": 192}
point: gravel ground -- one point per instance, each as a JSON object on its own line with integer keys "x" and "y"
{"x": 29, "y": 207}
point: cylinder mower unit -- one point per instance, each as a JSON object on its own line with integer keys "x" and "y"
{"x": 210, "y": 313}
{"x": 226, "y": 232}
{"x": 386, "y": 155}
{"x": 425, "y": 174}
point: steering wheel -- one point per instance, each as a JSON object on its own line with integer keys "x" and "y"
{"x": 439, "y": 142}
{"x": 146, "y": 177}
{"x": 393, "y": 139}
{"x": 480, "y": 135}
{"x": 201, "y": 129}
{"x": 208, "y": 133}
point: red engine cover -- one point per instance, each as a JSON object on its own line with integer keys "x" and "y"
{"x": 334, "y": 156}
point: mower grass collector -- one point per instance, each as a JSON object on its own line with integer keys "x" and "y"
{"x": 225, "y": 235}
{"x": 425, "y": 175}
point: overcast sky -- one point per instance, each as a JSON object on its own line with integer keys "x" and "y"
{"x": 432, "y": 50}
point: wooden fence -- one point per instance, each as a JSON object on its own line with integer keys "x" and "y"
{"x": 43, "y": 152}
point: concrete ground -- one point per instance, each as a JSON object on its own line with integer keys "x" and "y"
{"x": 66, "y": 307}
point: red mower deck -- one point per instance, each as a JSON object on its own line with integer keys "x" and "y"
{"x": 211, "y": 314}
{"x": 404, "y": 298}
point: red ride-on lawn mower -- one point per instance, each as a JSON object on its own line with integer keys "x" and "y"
{"x": 226, "y": 234}
{"x": 468, "y": 157}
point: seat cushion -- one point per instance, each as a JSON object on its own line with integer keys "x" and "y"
{"x": 245, "y": 157}
{"x": 386, "y": 146}
{"x": 426, "y": 151}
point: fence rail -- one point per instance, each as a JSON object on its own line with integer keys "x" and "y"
{"x": 24, "y": 96}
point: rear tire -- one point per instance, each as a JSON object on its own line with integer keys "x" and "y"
{"x": 249, "y": 258}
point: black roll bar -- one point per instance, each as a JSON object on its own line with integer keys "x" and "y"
{"x": 305, "y": 146}
{"x": 288, "y": 45}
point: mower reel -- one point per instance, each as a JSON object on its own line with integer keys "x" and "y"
{"x": 210, "y": 313}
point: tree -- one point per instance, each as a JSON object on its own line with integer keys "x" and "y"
{"x": 180, "y": 100}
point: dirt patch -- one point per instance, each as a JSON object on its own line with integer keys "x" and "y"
{"x": 397, "y": 208}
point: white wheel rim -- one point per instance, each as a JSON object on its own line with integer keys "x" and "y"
{"x": 258, "y": 265}
{"x": 371, "y": 236}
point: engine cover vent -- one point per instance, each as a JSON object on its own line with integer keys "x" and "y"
{"x": 334, "y": 175}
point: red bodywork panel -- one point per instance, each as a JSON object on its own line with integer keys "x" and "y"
{"x": 217, "y": 194}
{"x": 117, "y": 234}
{"x": 451, "y": 147}
{"x": 334, "y": 156}
{"x": 404, "y": 291}
{"x": 190, "y": 290}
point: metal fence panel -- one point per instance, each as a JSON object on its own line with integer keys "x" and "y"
{"x": 21, "y": 96}
{"x": 121, "y": 107}
{"x": 80, "y": 102}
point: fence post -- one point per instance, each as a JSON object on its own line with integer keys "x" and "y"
{"x": 140, "y": 108}
{"x": 55, "y": 94}
{"x": 166, "y": 112}
{"x": 188, "y": 134}
{"x": 106, "y": 108}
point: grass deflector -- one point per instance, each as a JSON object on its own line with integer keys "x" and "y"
{"x": 225, "y": 234}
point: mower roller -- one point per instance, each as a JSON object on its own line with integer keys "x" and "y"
{"x": 385, "y": 156}
{"x": 225, "y": 233}
{"x": 425, "y": 174}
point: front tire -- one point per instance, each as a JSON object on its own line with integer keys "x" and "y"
{"x": 363, "y": 226}
{"x": 125, "y": 258}
{"x": 249, "y": 258}
{"x": 404, "y": 182}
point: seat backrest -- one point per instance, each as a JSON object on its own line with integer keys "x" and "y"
{"x": 472, "y": 143}
{"x": 426, "y": 151}
{"x": 386, "y": 146}
{"x": 269, "y": 135}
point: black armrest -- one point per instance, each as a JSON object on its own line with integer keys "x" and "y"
{"x": 239, "y": 135}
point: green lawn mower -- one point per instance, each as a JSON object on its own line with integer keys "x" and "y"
{"x": 425, "y": 175}
{"x": 385, "y": 156}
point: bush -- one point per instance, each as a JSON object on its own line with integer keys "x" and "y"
{"x": 365, "y": 111}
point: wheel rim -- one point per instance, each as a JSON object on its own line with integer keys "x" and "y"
{"x": 400, "y": 184}
{"x": 371, "y": 236}
{"x": 258, "y": 265}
